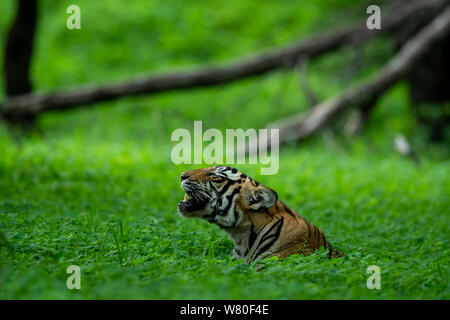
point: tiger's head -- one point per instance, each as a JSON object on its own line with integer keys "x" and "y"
{"x": 222, "y": 195}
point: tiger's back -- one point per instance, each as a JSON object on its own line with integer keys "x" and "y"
{"x": 284, "y": 232}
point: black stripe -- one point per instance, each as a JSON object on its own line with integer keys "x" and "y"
{"x": 236, "y": 217}
{"x": 309, "y": 228}
{"x": 226, "y": 186}
{"x": 280, "y": 221}
{"x": 213, "y": 187}
{"x": 278, "y": 225}
{"x": 254, "y": 182}
{"x": 275, "y": 237}
{"x": 288, "y": 210}
{"x": 230, "y": 200}
{"x": 251, "y": 239}
{"x": 264, "y": 248}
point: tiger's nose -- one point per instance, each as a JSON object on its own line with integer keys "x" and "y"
{"x": 184, "y": 176}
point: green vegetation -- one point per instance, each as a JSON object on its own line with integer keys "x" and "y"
{"x": 96, "y": 187}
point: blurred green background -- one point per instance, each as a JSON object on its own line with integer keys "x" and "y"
{"x": 95, "y": 186}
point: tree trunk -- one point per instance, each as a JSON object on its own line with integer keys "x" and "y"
{"x": 429, "y": 81}
{"x": 18, "y": 52}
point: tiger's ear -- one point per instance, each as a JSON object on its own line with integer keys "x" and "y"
{"x": 261, "y": 197}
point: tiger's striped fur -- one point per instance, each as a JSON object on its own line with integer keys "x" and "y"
{"x": 259, "y": 224}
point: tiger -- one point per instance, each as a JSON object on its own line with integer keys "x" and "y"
{"x": 260, "y": 225}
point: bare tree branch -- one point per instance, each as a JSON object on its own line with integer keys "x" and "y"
{"x": 301, "y": 126}
{"x": 266, "y": 62}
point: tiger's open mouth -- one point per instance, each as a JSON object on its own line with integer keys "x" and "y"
{"x": 190, "y": 203}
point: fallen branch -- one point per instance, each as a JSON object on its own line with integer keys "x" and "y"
{"x": 316, "y": 46}
{"x": 301, "y": 126}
